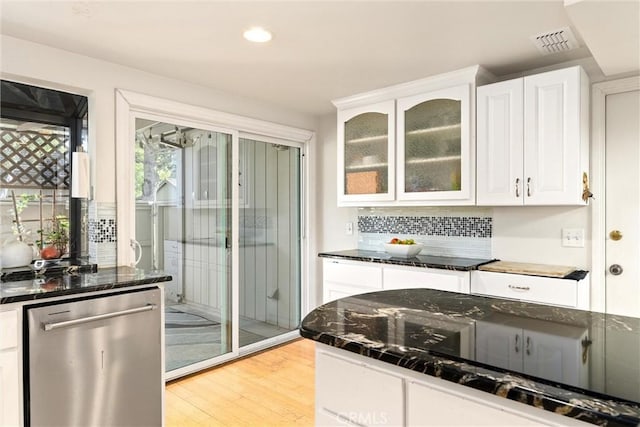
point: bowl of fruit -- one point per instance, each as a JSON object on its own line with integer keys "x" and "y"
{"x": 402, "y": 248}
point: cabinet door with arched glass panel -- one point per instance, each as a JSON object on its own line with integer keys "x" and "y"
{"x": 366, "y": 154}
{"x": 434, "y": 146}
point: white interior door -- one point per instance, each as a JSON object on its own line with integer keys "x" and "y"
{"x": 623, "y": 203}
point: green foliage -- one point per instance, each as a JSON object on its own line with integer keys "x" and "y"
{"x": 58, "y": 234}
{"x": 164, "y": 163}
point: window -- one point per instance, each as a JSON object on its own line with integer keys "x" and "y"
{"x": 39, "y": 129}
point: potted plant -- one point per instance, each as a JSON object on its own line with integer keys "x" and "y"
{"x": 56, "y": 238}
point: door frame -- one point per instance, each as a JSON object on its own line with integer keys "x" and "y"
{"x": 129, "y": 105}
{"x": 599, "y": 94}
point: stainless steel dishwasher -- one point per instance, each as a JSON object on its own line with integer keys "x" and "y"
{"x": 95, "y": 361}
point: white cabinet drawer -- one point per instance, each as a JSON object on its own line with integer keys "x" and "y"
{"x": 545, "y": 290}
{"x": 429, "y": 278}
{"x": 352, "y": 391}
{"x": 353, "y": 273}
{"x": 8, "y": 329}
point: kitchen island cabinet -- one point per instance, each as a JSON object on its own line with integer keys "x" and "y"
{"x": 439, "y": 382}
{"x": 17, "y": 296}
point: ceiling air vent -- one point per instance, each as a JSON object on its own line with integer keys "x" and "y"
{"x": 557, "y": 41}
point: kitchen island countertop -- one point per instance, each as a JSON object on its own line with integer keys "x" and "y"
{"x": 76, "y": 283}
{"x": 422, "y": 330}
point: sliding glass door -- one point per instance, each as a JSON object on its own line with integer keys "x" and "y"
{"x": 270, "y": 239}
{"x": 183, "y": 226}
{"x": 216, "y": 201}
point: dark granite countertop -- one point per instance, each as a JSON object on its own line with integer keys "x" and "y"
{"x": 595, "y": 380}
{"x": 76, "y": 282}
{"x": 449, "y": 263}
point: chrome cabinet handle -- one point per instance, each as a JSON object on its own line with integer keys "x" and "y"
{"x": 66, "y": 323}
{"x": 529, "y": 187}
{"x": 528, "y": 346}
{"x": 517, "y": 187}
{"x": 517, "y": 343}
{"x": 519, "y": 288}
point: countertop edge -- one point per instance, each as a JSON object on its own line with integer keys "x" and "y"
{"x": 75, "y": 291}
{"x": 511, "y": 386}
{"x": 407, "y": 262}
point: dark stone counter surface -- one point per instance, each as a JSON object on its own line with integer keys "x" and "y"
{"x": 421, "y": 330}
{"x": 448, "y": 263}
{"x": 72, "y": 283}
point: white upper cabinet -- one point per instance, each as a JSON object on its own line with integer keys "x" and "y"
{"x": 434, "y": 145}
{"x": 366, "y": 159}
{"x": 533, "y": 139}
{"x": 411, "y": 144}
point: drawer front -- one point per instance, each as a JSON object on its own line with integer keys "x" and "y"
{"x": 545, "y": 290}
{"x": 363, "y": 275}
{"x": 430, "y": 278}
{"x": 8, "y": 329}
{"x": 352, "y": 391}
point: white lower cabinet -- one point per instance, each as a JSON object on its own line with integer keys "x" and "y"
{"x": 343, "y": 278}
{"x": 534, "y": 347}
{"x": 543, "y": 290}
{"x": 10, "y": 395}
{"x": 431, "y": 278}
{"x": 352, "y": 389}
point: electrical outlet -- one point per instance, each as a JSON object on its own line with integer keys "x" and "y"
{"x": 348, "y": 228}
{"x": 573, "y": 237}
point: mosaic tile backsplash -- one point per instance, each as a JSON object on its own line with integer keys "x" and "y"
{"x": 458, "y": 232}
{"x": 102, "y": 230}
{"x": 428, "y": 225}
{"x": 102, "y": 234}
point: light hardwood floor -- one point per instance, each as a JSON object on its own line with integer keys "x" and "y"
{"x": 272, "y": 388}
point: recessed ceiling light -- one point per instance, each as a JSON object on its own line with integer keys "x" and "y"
{"x": 257, "y": 35}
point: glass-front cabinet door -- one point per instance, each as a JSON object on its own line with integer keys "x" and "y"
{"x": 434, "y": 146}
{"x": 366, "y": 154}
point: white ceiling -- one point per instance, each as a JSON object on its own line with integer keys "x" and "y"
{"x": 321, "y": 50}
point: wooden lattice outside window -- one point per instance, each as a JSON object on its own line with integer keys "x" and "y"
{"x": 35, "y": 159}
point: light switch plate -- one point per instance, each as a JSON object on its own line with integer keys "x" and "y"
{"x": 348, "y": 228}
{"x": 573, "y": 237}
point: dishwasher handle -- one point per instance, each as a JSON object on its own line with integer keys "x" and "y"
{"x": 66, "y": 323}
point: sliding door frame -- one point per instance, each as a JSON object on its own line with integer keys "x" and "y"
{"x": 129, "y": 106}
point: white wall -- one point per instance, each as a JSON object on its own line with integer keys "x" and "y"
{"x": 533, "y": 234}
{"x": 44, "y": 66}
{"x": 331, "y": 220}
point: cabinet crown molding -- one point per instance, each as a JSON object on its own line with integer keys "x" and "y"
{"x": 473, "y": 74}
